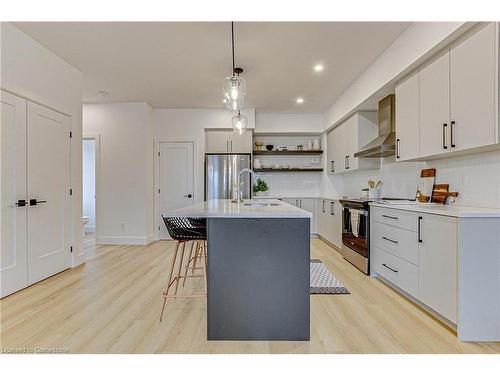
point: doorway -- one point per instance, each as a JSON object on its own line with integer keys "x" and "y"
{"x": 176, "y": 179}
{"x": 90, "y": 148}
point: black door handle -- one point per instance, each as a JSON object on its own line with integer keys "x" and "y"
{"x": 20, "y": 203}
{"x": 444, "y": 136}
{"x": 389, "y": 268}
{"x": 419, "y": 229}
{"x": 452, "y": 129}
{"x": 397, "y": 148}
{"x": 34, "y": 202}
{"x": 188, "y": 196}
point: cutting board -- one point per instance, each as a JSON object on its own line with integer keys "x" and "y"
{"x": 440, "y": 193}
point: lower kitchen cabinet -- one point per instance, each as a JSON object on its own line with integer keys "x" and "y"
{"x": 437, "y": 253}
{"x": 306, "y": 204}
{"x": 418, "y": 253}
{"x": 448, "y": 264}
{"x": 329, "y": 221}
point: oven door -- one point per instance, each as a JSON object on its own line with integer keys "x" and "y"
{"x": 355, "y": 229}
{"x": 355, "y": 236}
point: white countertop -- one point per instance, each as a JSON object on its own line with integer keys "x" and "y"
{"x": 445, "y": 210}
{"x": 224, "y": 208}
{"x": 295, "y": 196}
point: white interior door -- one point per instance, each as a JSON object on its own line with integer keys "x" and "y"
{"x": 13, "y": 233}
{"x": 176, "y": 178}
{"x": 48, "y": 150}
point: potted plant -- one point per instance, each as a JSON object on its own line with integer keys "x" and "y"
{"x": 260, "y": 188}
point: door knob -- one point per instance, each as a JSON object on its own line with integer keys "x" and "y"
{"x": 188, "y": 196}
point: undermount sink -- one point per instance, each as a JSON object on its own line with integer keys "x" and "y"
{"x": 261, "y": 204}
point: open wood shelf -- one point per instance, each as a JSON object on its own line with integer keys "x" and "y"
{"x": 288, "y": 170}
{"x": 274, "y": 152}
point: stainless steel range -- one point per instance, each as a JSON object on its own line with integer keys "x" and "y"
{"x": 356, "y": 232}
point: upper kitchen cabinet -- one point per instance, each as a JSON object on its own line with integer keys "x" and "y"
{"x": 407, "y": 119}
{"x": 473, "y": 79}
{"x": 227, "y": 141}
{"x": 434, "y": 98}
{"x": 457, "y": 100}
{"x": 347, "y": 139}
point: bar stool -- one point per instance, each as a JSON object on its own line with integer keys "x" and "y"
{"x": 184, "y": 230}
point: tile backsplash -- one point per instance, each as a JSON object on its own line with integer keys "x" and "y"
{"x": 290, "y": 183}
{"x": 476, "y": 178}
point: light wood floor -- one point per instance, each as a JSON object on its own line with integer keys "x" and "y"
{"x": 112, "y": 304}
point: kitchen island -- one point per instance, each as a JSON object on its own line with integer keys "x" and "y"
{"x": 258, "y": 269}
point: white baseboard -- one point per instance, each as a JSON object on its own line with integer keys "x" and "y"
{"x": 124, "y": 240}
{"x": 150, "y": 238}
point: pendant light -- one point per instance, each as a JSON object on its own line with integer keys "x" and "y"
{"x": 234, "y": 86}
{"x": 240, "y": 123}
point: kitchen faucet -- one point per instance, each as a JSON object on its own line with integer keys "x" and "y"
{"x": 238, "y": 187}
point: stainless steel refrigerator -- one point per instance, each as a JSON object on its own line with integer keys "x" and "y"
{"x": 221, "y": 174}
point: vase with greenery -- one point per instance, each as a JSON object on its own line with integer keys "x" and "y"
{"x": 260, "y": 187}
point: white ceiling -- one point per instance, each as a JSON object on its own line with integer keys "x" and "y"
{"x": 183, "y": 64}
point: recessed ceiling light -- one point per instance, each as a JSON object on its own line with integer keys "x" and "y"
{"x": 318, "y": 68}
{"x": 299, "y": 100}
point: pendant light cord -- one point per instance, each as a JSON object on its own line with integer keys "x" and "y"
{"x": 232, "y": 43}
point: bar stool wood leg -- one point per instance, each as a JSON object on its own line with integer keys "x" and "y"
{"x": 188, "y": 262}
{"x": 169, "y": 281}
{"x": 178, "y": 277}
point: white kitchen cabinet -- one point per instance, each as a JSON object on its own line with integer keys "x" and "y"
{"x": 227, "y": 141}
{"x": 217, "y": 141}
{"x": 407, "y": 119}
{"x": 329, "y": 221}
{"x": 347, "y": 139}
{"x": 473, "y": 82}
{"x": 240, "y": 143}
{"x": 434, "y": 81}
{"x": 457, "y": 101}
{"x": 307, "y": 204}
{"x": 437, "y": 252}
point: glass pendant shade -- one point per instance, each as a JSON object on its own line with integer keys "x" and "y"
{"x": 240, "y": 123}
{"x": 234, "y": 92}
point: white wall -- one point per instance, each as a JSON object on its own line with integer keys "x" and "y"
{"x": 125, "y": 191}
{"x": 475, "y": 177}
{"x": 409, "y": 49}
{"x": 88, "y": 179}
{"x": 283, "y": 122}
{"x": 30, "y": 70}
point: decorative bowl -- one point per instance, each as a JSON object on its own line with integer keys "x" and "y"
{"x": 269, "y": 147}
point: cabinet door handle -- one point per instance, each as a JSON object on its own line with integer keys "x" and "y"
{"x": 231, "y": 146}
{"x": 332, "y": 166}
{"x": 452, "y": 137}
{"x": 34, "y": 202}
{"x": 332, "y": 208}
{"x": 419, "y": 230}
{"x": 389, "y": 268}
{"x": 20, "y": 203}
{"x": 390, "y": 217}
{"x": 397, "y": 148}
{"x": 227, "y": 146}
{"x": 300, "y": 203}
{"x": 388, "y": 239}
{"x": 347, "y": 161}
{"x": 323, "y": 206}
{"x": 445, "y": 125}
